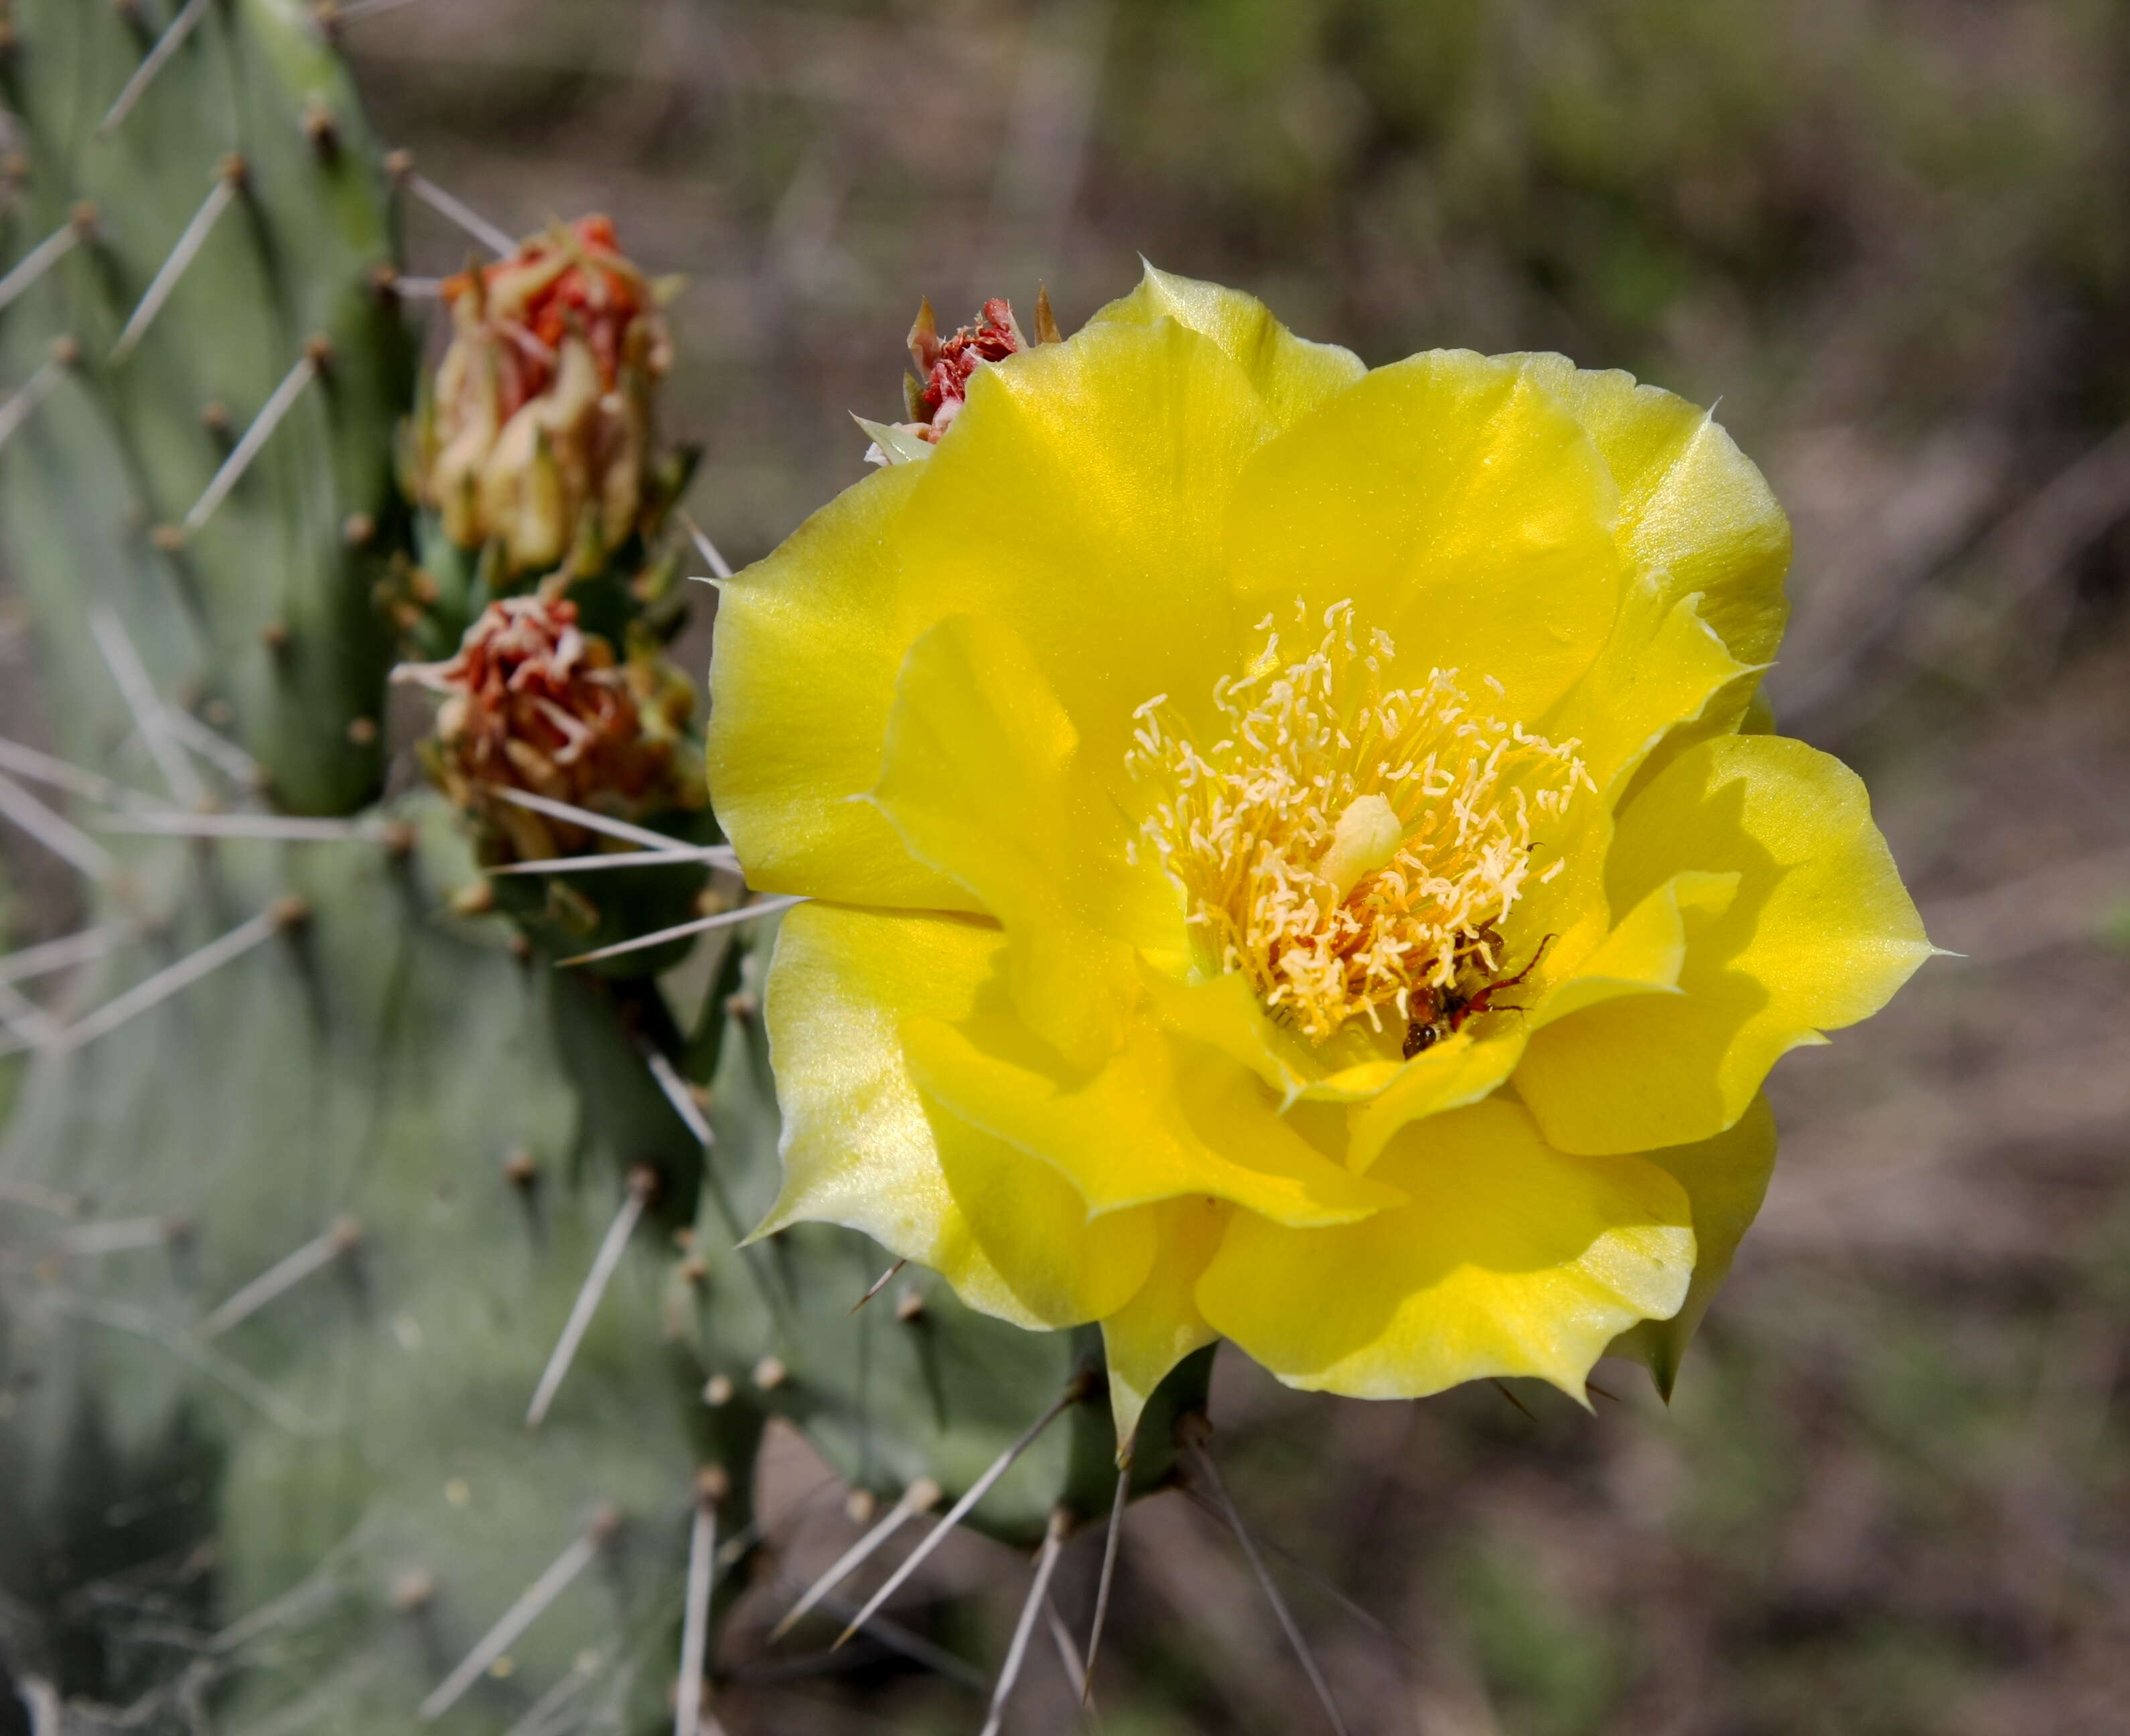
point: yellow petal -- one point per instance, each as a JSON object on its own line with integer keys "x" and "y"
{"x": 1461, "y": 1069}
{"x": 1081, "y": 500}
{"x": 983, "y": 779}
{"x": 1161, "y": 1325}
{"x": 1383, "y": 1094}
{"x": 1026, "y": 1223}
{"x": 1461, "y": 509}
{"x": 1165, "y": 1118}
{"x": 1511, "y": 1259}
{"x": 1725, "y": 1178}
{"x": 1644, "y": 954}
{"x": 1663, "y": 666}
{"x": 861, "y": 1149}
{"x": 1292, "y": 374}
{"x": 1820, "y": 933}
{"x": 802, "y": 676}
{"x": 1696, "y": 515}
{"x": 1224, "y": 1013}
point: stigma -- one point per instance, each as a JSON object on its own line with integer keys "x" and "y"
{"x": 1351, "y": 845}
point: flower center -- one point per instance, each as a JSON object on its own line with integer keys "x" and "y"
{"x": 1351, "y": 846}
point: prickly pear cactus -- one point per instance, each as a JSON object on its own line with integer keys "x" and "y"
{"x": 247, "y": 138}
{"x": 321, "y": 1181}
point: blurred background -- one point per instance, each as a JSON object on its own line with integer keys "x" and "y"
{"x": 1893, "y": 236}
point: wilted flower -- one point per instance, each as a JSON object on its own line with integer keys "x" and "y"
{"x": 538, "y": 431}
{"x": 1297, "y": 855}
{"x": 534, "y": 703}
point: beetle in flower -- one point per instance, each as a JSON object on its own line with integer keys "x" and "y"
{"x": 1447, "y": 1012}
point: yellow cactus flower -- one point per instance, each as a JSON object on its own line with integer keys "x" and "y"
{"x": 1296, "y": 854}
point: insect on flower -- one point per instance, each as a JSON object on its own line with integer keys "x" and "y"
{"x": 1450, "y": 1010}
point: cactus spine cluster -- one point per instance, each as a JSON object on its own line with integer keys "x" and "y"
{"x": 314, "y": 1166}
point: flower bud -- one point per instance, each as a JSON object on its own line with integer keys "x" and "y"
{"x": 945, "y": 368}
{"x": 537, "y": 429}
{"x": 534, "y": 703}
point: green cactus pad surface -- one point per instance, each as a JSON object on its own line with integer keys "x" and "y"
{"x": 446, "y": 1130}
{"x": 266, "y": 606}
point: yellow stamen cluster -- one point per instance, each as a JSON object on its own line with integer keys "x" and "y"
{"x": 1351, "y": 846}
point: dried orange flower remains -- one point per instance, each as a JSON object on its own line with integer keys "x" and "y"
{"x": 533, "y": 702}
{"x": 537, "y": 436}
{"x": 1297, "y": 853}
